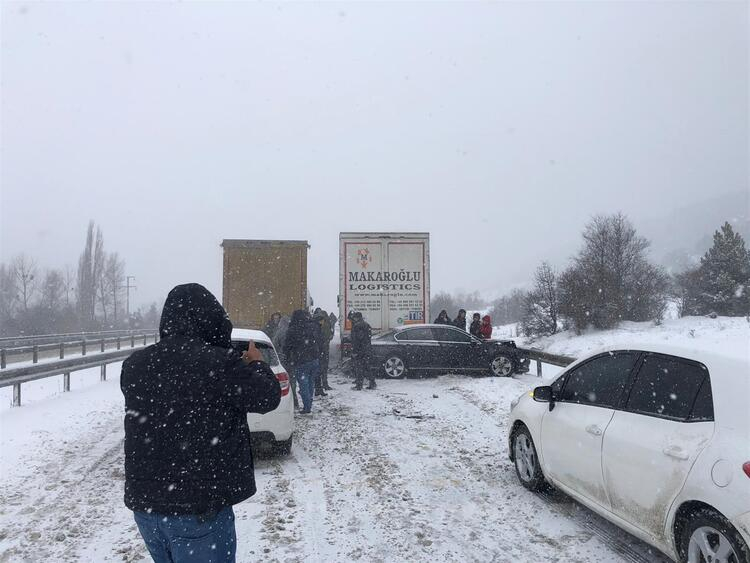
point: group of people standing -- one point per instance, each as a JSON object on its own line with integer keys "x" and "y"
{"x": 303, "y": 340}
{"x": 482, "y": 329}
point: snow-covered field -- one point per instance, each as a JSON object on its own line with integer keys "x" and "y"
{"x": 414, "y": 471}
{"x": 723, "y": 335}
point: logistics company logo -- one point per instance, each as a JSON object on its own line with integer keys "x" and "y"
{"x": 363, "y": 257}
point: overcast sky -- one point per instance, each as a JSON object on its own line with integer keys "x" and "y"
{"x": 499, "y": 128}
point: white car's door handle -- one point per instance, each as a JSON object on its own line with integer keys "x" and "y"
{"x": 676, "y": 452}
{"x": 594, "y": 429}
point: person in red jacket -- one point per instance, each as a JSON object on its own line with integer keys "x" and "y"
{"x": 486, "y": 328}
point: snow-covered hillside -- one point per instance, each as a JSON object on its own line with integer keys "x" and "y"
{"x": 723, "y": 335}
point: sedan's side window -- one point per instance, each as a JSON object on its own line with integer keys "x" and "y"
{"x": 668, "y": 387}
{"x": 421, "y": 333}
{"x": 450, "y": 335}
{"x": 600, "y": 381}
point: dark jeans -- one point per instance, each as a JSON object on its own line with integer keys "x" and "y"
{"x": 322, "y": 380}
{"x": 306, "y": 374}
{"x": 189, "y": 539}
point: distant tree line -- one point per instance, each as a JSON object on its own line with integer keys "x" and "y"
{"x": 611, "y": 279}
{"x": 453, "y": 302}
{"x": 34, "y": 300}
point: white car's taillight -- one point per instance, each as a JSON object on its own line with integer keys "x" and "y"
{"x": 746, "y": 468}
{"x": 284, "y": 381}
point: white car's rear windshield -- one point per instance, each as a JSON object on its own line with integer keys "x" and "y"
{"x": 269, "y": 354}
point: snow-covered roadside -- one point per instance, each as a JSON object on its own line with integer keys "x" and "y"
{"x": 42, "y": 389}
{"x": 415, "y": 471}
{"x": 723, "y": 335}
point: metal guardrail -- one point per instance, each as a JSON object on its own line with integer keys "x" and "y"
{"x": 63, "y": 346}
{"x": 542, "y": 357}
{"x": 19, "y": 375}
{"x": 17, "y": 341}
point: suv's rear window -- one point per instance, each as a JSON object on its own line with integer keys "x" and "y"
{"x": 668, "y": 387}
{"x": 269, "y": 354}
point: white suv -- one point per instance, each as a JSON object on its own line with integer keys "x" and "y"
{"x": 276, "y": 426}
{"x": 655, "y": 439}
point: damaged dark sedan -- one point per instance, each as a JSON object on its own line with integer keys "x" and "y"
{"x": 428, "y": 348}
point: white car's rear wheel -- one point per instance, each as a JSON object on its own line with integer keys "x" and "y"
{"x": 526, "y": 461}
{"x": 283, "y": 447}
{"x": 709, "y": 538}
{"x": 394, "y": 368}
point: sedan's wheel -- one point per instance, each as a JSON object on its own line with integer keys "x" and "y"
{"x": 394, "y": 368}
{"x": 527, "y": 463}
{"x": 710, "y": 538}
{"x": 501, "y": 366}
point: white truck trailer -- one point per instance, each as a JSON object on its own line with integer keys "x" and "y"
{"x": 386, "y": 277}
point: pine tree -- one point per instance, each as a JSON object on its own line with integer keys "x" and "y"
{"x": 722, "y": 281}
{"x": 541, "y": 305}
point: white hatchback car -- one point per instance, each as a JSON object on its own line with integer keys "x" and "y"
{"x": 654, "y": 439}
{"x": 276, "y": 426}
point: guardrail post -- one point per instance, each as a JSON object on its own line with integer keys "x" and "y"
{"x": 16, "y": 394}
{"x": 118, "y": 342}
{"x": 132, "y": 340}
{"x": 66, "y": 381}
{"x": 2, "y": 359}
{"x": 62, "y": 350}
{"x": 145, "y": 337}
{"x": 83, "y": 347}
{"x": 156, "y": 337}
{"x": 35, "y": 354}
{"x": 103, "y": 375}
{"x": 102, "y": 345}
{"x": 539, "y": 368}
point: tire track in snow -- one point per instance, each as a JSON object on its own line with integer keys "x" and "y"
{"x": 67, "y": 500}
{"x": 630, "y": 548}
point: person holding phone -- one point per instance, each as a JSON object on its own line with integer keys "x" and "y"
{"x": 188, "y": 458}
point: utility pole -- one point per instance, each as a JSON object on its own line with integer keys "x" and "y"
{"x": 128, "y": 287}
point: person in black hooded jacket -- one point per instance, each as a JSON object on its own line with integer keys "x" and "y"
{"x": 302, "y": 352}
{"x": 187, "y": 444}
{"x": 460, "y": 320}
{"x": 443, "y": 318}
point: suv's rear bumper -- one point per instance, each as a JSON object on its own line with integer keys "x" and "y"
{"x": 279, "y": 422}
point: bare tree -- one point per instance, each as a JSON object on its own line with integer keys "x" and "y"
{"x": 8, "y": 294}
{"x": 98, "y": 263}
{"x": 24, "y": 272}
{"x": 611, "y": 279}
{"x": 114, "y": 281}
{"x": 53, "y": 290}
{"x": 69, "y": 284}
{"x": 90, "y": 270}
{"x": 86, "y": 284}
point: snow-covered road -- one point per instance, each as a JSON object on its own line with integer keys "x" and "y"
{"x": 414, "y": 471}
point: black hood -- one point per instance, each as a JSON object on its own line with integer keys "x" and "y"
{"x": 191, "y": 310}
